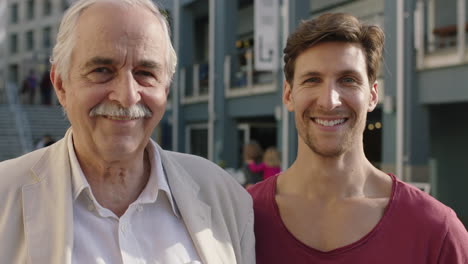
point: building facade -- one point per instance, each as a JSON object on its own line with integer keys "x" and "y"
{"x": 221, "y": 100}
{"x": 31, "y": 27}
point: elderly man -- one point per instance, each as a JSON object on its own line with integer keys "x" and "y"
{"x": 332, "y": 205}
{"x": 106, "y": 193}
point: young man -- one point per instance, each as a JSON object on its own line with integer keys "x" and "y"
{"x": 107, "y": 193}
{"x": 332, "y": 205}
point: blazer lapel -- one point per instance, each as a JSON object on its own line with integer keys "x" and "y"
{"x": 195, "y": 213}
{"x": 47, "y": 208}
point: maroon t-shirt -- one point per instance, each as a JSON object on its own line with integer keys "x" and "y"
{"x": 415, "y": 229}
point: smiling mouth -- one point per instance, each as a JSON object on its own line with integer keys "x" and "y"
{"x": 120, "y": 118}
{"x": 329, "y": 122}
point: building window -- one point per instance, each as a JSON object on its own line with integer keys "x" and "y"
{"x": 46, "y": 37}
{"x": 14, "y": 18}
{"x": 13, "y": 43}
{"x": 47, "y": 8}
{"x": 197, "y": 141}
{"x": 30, "y": 5}
{"x": 29, "y": 40}
{"x": 13, "y": 73}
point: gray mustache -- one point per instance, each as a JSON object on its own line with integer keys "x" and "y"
{"x": 110, "y": 109}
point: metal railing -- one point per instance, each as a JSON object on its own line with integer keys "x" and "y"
{"x": 440, "y": 38}
{"x": 194, "y": 83}
{"x": 242, "y": 79}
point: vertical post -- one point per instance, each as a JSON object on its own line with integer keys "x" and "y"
{"x": 211, "y": 76}
{"x": 249, "y": 69}
{"x": 176, "y": 81}
{"x": 400, "y": 89}
{"x": 227, "y": 73}
{"x": 196, "y": 80}
{"x": 182, "y": 82}
{"x": 419, "y": 33}
{"x": 430, "y": 25}
{"x": 285, "y": 113}
{"x": 461, "y": 21}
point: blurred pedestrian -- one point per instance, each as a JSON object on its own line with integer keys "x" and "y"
{"x": 46, "y": 88}
{"x": 251, "y": 152}
{"x": 270, "y": 166}
{"x": 30, "y": 86}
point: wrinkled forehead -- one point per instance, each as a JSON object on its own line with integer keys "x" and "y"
{"x": 119, "y": 27}
{"x": 115, "y": 19}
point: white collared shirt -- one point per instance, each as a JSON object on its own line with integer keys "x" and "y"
{"x": 150, "y": 231}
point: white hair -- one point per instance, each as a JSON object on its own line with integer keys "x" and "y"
{"x": 61, "y": 55}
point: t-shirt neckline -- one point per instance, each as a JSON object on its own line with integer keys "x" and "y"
{"x": 339, "y": 250}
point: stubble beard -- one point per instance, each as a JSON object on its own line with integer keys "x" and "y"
{"x": 312, "y": 142}
{"x": 345, "y": 143}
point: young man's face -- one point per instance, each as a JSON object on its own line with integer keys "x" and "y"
{"x": 118, "y": 58}
{"x": 331, "y": 97}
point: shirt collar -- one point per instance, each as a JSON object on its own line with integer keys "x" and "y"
{"x": 157, "y": 179}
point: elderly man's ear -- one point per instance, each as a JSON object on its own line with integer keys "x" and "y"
{"x": 58, "y": 85}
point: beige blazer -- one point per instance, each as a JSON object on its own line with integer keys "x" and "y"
{"x": 36, "y": 212}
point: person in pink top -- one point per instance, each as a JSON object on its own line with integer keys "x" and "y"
{"x": 332, "y": 205}
{"x": 270, "y": 166}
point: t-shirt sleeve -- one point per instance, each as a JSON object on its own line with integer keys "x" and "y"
{"x": 455, "y": 245}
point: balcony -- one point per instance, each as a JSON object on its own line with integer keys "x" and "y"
{"x": 194, "y": 83}
{"x": 440, "y": 33}
{"x": 242, "y": 80}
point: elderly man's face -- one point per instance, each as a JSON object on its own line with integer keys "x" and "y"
{"x": 118, "y": 60}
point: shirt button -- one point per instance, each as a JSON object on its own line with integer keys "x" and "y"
{"x": 139, "y": 208}
{"x": 91, "y": 207}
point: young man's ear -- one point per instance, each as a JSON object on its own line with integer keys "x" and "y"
{"x": 287, "y": 96}
{"x": 58, "y": 85}
{"x": 374, "y": 97}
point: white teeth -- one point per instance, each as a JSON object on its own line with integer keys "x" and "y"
{"x": 119, "y": 117}
{"x": 329, "y": 122}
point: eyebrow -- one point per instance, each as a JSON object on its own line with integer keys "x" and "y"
{"x": 98, "y": 60}
{"x": 309, "y": 73}
{"x": 316, "y": 73}
{"x": 149, "y": 64}
{"x": 351, "y": 72}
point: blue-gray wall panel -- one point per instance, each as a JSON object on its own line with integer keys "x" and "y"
{"x": 389, "y": 68}
{"x": 195, "y": 112}
{"x": 449, "y": 145}
{"x": 444, "y": 85}
{"x": 258, "y": 105}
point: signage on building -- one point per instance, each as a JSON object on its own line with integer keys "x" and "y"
{"x": 266, "y": 34}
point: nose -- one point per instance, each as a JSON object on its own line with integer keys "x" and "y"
{"x": 329, "y": 97}
{"x": 125, "y": 90}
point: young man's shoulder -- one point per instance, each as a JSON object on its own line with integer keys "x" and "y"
{"x": 420, "y": 203}
{"x": 264, "y": 189}
{"x": 426, "y": 215}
